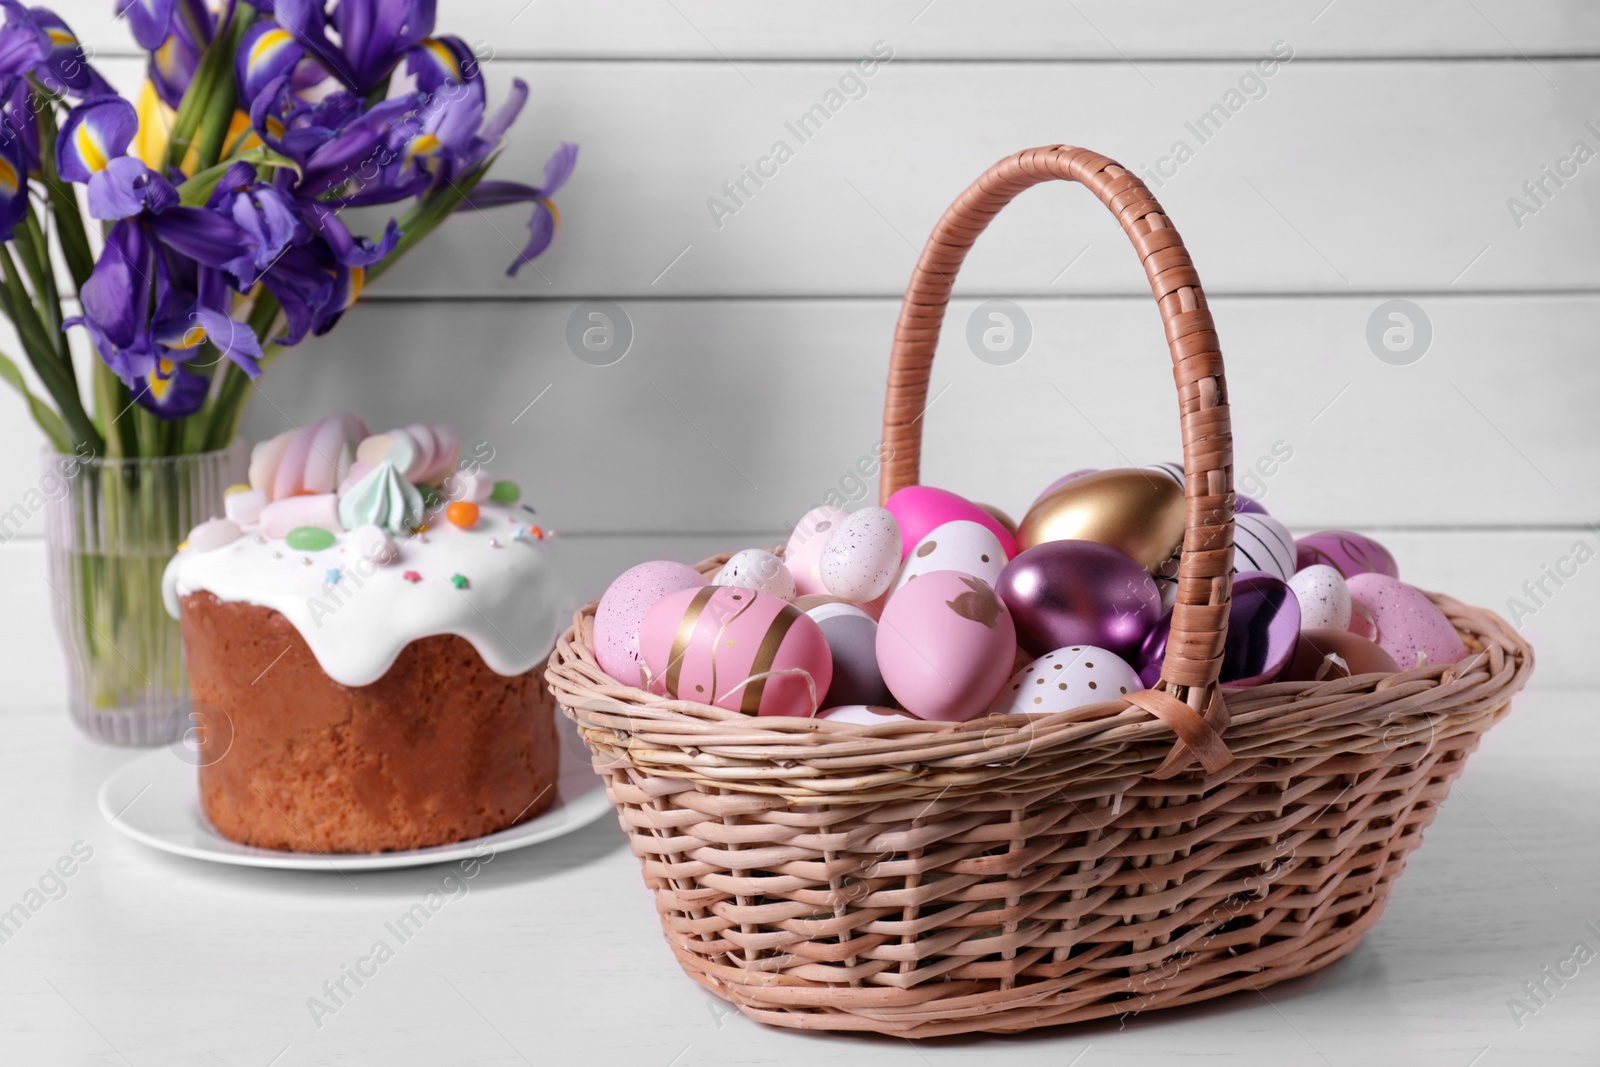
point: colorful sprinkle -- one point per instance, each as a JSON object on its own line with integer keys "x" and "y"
{"x": 463, "y": 513}
{"x": 529, "y": 509}
{"x": 537, "y": 531}
{"x": 494, "y": 542}
{"x": 411, "y": 576}
{"x": 505, "y": 492}
{"x": 237, "y": 487}
{"x": 309, "y": 539}
{"x": 333, "y": 575}
{"x": 459, "y": 581}
{"x": 182, "y": 545}
{"x": 306, "y": 560}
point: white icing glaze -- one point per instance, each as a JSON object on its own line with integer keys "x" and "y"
{"x": 510, "y": 611}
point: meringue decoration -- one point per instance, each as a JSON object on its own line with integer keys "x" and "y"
{"x": 383, "y": 499}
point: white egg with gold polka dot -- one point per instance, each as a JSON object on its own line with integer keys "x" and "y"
{"x": 958, "y": 545}
{"x": 1067, "y": 678}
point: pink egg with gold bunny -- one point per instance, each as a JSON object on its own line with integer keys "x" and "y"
{"x": 945, "y": 645}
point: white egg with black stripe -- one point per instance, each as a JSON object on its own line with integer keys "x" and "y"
{"x": 1262, "y": 543}
{"x": 1173, "y": 471}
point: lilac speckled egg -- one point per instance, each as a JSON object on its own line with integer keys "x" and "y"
{"x": 852, "y": 637}
{"x": 1262, "y": 543}
{"x": 1409, "y": 625}
{"x": 946, "y": 644}
{"x": 961, "y": 545}
{"x": 623, "y": 608}
{"x": 737, "y": 649}
{"x": 1065, "y": 679}
{"x": 1324, "y": 598}
{"x": 1065, "y": 593}
{"x": 1348, "y": 553}
{"x": 862, "y": 555}
{"x": 1263, "y": 631}
{"x": 803, "y": 554}
{"x": 921, "y": 509}
{"x": 758, "y": 569}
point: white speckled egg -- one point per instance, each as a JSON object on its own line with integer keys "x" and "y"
{"x": 863, "y": 715}
{"x": 803, "y": 554}
{"x": 1410, "y": 626}
{"x": 861, "y": 556}
{"x": 1324, "y": 598}
{"x": 1262, "y": 543}
{"x": 959, "y": 545}
{"x": 758, "y": 569}
{"x": 1065, "y": 679}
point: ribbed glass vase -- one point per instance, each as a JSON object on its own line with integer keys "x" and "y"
{"x": 111, "y": 526}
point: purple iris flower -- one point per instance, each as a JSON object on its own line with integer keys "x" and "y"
{"x": 13, "y": 186}
{"x": 36, "y": 41}
{"x": 92, "y": 148}
{"x": 189, "y": 30}
{"x": 374, "y": 36}
{"x": 546, "y": 219}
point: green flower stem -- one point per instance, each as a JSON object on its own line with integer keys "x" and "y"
{"x": 35, "y": 252}
{"x": 110, "y": 400}
{"x": 53, "y": 370}
{"x": 218, "y": 115}
{"x": 42, "y": 413}
{"x": 427, "y": 215}
{"x": 63, "y": 199}
{"x": 196, "y": 110}
{"x": 226, "y": 409}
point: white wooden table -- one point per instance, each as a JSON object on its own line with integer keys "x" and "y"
{"x": 552, "y": 954}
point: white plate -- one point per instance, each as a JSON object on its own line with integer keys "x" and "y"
{"x": 155, "y": 799}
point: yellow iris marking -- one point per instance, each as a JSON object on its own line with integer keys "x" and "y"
{"x": 445, "y": 56}
{"x": 8, "y": 178}
{"x": 193, "y": 336}
{"x": 358, "y": 280}
{"x": 94, "y": 157}
{"x": 555, "y": 216}
{"x": 61, "y": 38}
{"x": 160, "y": 386}
{"x": 424, "y": 144}
{"x": 268, "y": 41}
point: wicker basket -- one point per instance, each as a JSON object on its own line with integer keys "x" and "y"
{"x": 922, "y": 879}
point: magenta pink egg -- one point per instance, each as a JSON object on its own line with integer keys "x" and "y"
{"x": 1410, "y": 627}
{"x": 623, "y": 608}
{"x": 738, "y": 649}
{"x": 1348, "y": 553}
{"x": 920, "y": 509}
{"x": 946, "y": 644}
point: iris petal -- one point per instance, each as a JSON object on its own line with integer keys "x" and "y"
{"x": 150, "y": 20}
{"x": 96, "y": 132}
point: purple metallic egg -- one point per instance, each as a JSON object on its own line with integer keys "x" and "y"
{"x": 1348, "y": 553}
{"x": 1064, "y": 593}
{"x": 1063, "y": 480}
{"x": 1244, "y": 504}
{"x": 1263, "y": 630}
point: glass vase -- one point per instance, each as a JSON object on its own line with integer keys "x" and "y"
{"x": 111, "y": 526}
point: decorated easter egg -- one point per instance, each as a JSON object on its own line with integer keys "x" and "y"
{"x": 737, "y": 649}
{"x": 1063, "y": 480}
{"x": 1244, "y": 505}
{"x": 1166, "y": 577}
{"x": 852, "y": 637}
{"x": 1411, "y": 628}
{"x": 961, "y": 545}
{"x": 758, "y": 569}
{"x": 1361, "y": 621}
{"x": 1171, "y": 470}
{"x": 803, "y": 554}
{"x": 1324, "y": 598}
{"x": 622, "y": 610}
{"x": 921, "y": 509}
{"x": 1348, "y": 553}
{"x": 1262, "y": 543}
{"x": 1263, "y": 630}
{"x": 945, "y": 646}
{"x": 1134, "y": 510}
{"x": 1065, "y": 679}
{"x": 861, "y": 556}
{"x": 1001, "y": 517}
{"x": 1325, "y": 655}
{"x": 863, "y": 715}
{"x": 1064, "y": 593}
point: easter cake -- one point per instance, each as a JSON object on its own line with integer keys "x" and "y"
{"x": 364, "y": 631}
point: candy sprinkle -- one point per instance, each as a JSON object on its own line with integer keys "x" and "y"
{"x": 494, "y": 542}
{"x": 333, "y": 575}
{"x": 463, "y": 513}
{"x": 411, "y": 576}
{"x": 505, "y": 492}
{"x": 309, "y": 539}
{"x": 458, "y": 581}
{"x": 183, "y": 546}
{"x": 537, "y": 531}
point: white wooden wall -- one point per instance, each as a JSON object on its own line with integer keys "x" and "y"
{"x": 1377, "y": 163}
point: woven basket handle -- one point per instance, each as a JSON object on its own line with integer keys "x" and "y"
{"x": 1200, "y": 618}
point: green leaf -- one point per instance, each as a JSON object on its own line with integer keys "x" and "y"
{"x": 43, "y": 413}
{"x": 197, "y": 190}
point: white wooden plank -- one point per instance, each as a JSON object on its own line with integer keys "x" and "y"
{"x": 1488, "y": 568}
{"x": 743, "y": 414}
{"x": 968, "y": 29}
{"x": 1365, "y": 177}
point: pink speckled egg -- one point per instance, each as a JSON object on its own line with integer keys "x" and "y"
{"x": 803, "y": 554}
{"x": 1410, "y": 626}
{"x": 623, "y": 608}
{"x": 738, "y": 649}
{"x": 921, "y": 509}
{"x": 946, "y": 644}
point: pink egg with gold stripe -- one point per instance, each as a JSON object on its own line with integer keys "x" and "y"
{"x": 737, "y": 649}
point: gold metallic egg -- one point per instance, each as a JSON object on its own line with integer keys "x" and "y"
{"x": 1139, "y": 511}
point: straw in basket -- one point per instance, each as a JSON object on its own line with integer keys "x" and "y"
{"x": 921, "y": 879}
